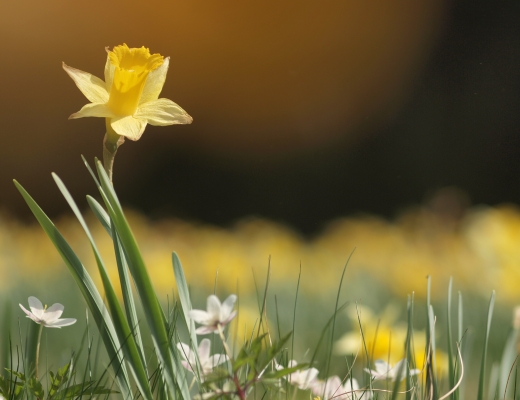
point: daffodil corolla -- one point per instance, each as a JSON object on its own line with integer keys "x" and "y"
{"x": 207, "y": 362}
{"x": 386, "y": 371}
{"x": 129, "y": 96}
{"x": 217, "y": 314}
{"x": 49, "y": 317}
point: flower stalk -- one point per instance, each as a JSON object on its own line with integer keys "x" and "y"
{"x": 111, "y": 143}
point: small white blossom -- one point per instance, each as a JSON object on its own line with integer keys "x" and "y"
{"x": 386, "y": 371}
{"x": 49, "y": 317}
{"x": 303, "y": 379}
{"x": 332, "y": 389}
{"x": 207, "y": 362}
{"x": 217, "y": 314}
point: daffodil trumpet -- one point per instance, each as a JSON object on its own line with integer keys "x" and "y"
{"x": 128, "y": 99}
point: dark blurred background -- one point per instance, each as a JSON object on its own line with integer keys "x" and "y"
{"x": 303, "y": 110}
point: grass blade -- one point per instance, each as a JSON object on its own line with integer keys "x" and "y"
{"x": 153, "y": 311}
{"x": 184, "y": 296}
{"x": 100, "y": 214}
{"x": 451, "y": 365}
{"x": 480, "y": 394}
{"x": 125, "y": 335}
{"x": 89, "y": 291}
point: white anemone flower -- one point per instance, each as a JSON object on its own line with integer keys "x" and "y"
{"x": 49, "y": 317}
{"x": 304, "y": 378}
{"x": 207, "y": 362}
{"x": 333, "y": 389}
{"x": 129, "y": 97}
{"x": 217, "y": 314}
{"x": 386, "y": 371}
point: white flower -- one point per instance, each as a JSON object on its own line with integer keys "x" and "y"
{"x": 386, "y": 371}
{"x": 49, "y": 317}
{"x": 333, "y": 389}
{"x": 217, "y": 314}
{"x": 207, "y": 362}
{"x": 303, "y": 379}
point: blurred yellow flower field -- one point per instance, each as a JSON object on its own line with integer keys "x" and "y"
{"x": 480, "y": 252}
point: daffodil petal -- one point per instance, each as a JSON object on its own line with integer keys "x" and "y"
{"x": 36, "y": 307}
{"x": 129, "y": 127}
{"x": 91, "y": 86}
{"x": 94, "y": 110}
{"x": 155, "y": 82}
{"x": 109, "y": 73}
{"x": 53, "y": 312}
{"x": 162, "y": 112}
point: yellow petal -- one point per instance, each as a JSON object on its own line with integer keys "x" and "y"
{"x": 131, "y": 69}
{"x": 155, "y": 82}
{"x": 93, "y": 110}
{"x": 129, "y": 127}
{"x": 109, "y": 72}
{"x": 162, "y": 112}
{"x": 91, "y": 86}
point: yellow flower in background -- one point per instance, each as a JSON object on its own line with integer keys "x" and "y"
{"x": 129, "y": 97}
{"x": 384, "y": 338}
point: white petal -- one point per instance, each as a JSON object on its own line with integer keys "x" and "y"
{"x": 129, "y": 127}
{"x": 204, "y": 350}
{"x": 162, "y": 112}
{"x": 53, "y": 312}
{"x": 185, "y": 350}
{"x": 30, "y": 314}
{"x": 204, "y": 330}
{"x": 213, "y": 307}
{"x": 91, "y": 86}
{"x": 94, "y": 110}
{"x": 109, "y": 73}
{"x": 36, "y": 307}
{"x": 382, "y": 367}
{"x": 199, "y": 316}
{"x": 333, "y": 387}
{"x": 227, "y": 306}
{"x": 311, "y": 374}
{"x": 186, "y": 365}
{"x": 217, "y": 359}
{"x": 155, "y": 82}
{"x": 350, "y": 385}
{"x": 60, "y": 323}
{"x": 398, "y": 371}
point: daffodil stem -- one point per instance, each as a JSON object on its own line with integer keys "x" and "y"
{"x": 108, "y": 161}
{"x": 111, "y": 143}
{"x": 38, "y": 351}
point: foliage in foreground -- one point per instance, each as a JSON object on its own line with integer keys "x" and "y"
{"x": 261, "y": 366}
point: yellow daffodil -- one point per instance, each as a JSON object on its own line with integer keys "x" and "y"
{"x": 129, "y": 97}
